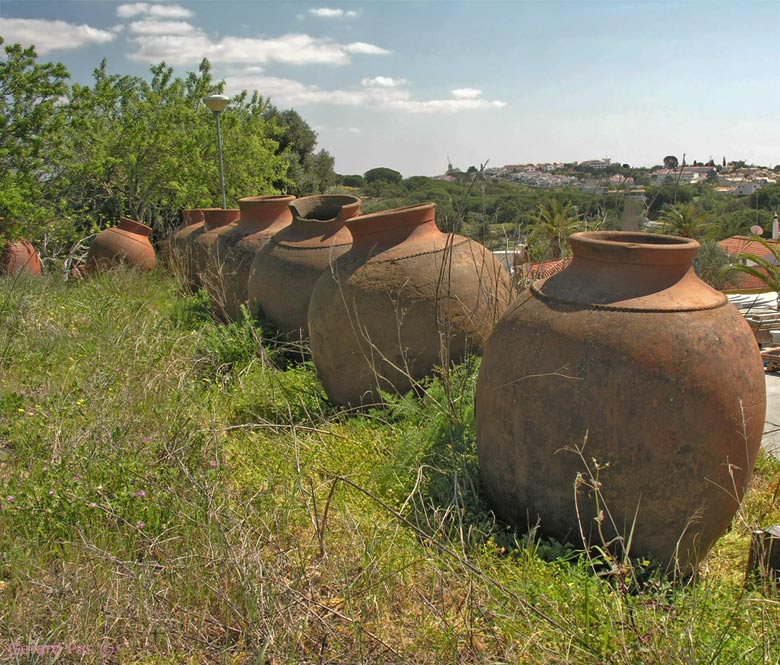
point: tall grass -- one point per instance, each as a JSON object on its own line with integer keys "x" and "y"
{"x": 176, "y": 490}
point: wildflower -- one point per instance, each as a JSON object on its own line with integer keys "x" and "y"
{"x": 93, "y": 505}
{"x": 77, "y": 476}
{"x": 140, "y": 493}
{"x": 213, "y": 463}
{"x": 10, "y": 498}
{"x": 51, "y": 492}
{"x": 147, "y": 439}
{"x": 140, "y": 524}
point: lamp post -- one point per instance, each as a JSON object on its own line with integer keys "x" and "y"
{"x": 217, "y": 104}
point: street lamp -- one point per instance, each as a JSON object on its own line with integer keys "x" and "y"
{"x": 217, "y": 104}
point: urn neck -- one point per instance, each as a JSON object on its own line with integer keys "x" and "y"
{"x": 132, "y": 226}
{"x": 215, "y": 218}
{"x": 264, "y": 213}
{"x": 381, "y": 230}
{"x": 191, "y": 216}
{"x": 626, "y": 270}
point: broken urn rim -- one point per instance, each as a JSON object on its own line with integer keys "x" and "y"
{"x": 133, "y": 226}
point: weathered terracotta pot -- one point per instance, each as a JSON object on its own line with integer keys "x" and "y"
{"x": 19, "y": 257}
{"x": 284, "y": 272}
{"x": 260, "y": 218}
{"x": 127, "y": 243}
{"x": 628, "y": 356}
{"x": 404, "y": 299}
{"x": 203, "y": 241}
{"x": 181, "y": 262}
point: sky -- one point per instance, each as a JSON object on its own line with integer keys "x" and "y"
{"x": 415, "y": 84}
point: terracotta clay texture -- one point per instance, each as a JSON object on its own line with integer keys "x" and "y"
{"x": 181, "y": 248}
{"x": 19, "y": 257}
{"x": 285, "y": 271}
{"x": 127, "y": 243}
{"x": 261, "y": 217}
{"x": 203, "y": 242}
{"x": 628, "y": 356}
{"x": 404, "y": 299}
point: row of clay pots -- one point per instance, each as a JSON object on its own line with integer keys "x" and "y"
{"x": 622, "y": 399}
{"x": 385, "y": 297}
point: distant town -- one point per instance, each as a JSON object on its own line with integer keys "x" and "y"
{"x": 603, "y": 176}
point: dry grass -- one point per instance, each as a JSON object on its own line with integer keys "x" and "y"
{"x": 181, "y": 493}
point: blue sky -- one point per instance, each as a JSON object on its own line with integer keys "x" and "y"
{"x": 407, "y": 84}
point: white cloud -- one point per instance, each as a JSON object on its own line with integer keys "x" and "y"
{"x": 466, "y": 93}
{"x": 294, "y": 93}
{"x": 49, "y": 35}
{"x": 365, "y": 49}
{"x": 292, "y": 49}
{"x": 326, "y": 12}
{"x": 159, "y": 11}
{"x": 155, "y": 27}
{"x": 382, "y": 82}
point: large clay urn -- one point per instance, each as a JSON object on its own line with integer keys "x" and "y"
{"x": 622, "y": 398}
{"x": 126, "y": 243}
{"x": 203, "y": 241}
{"x": 284, "y": 272}
{"x": 260, "y": 218}
{"x": 181, "y": 248}
{"x": 404, "y": 299}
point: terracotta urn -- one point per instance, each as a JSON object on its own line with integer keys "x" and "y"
{"x": 622, "y": 398}
{"x": 127, "y": 243}
{"x": 284, "y": 272}
{"x": 181, "y": 249}
{"x": 404, "y": 299}
{"x": 260, "y": 218}
{"x": 203, "y": 240}
{"x": 19, "y": 257}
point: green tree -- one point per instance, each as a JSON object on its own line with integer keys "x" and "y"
{"x": 30, "y": 125}
{"x": 556, "y": 221}
{"x": 686, "y": 220}
{"x": 149, "y": 149}
{"x": 384, "y": 174}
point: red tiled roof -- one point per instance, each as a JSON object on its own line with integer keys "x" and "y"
{"x": 544, "y": 269}
{"x": 743, "y": 244}
{"x": 742, "y": 281}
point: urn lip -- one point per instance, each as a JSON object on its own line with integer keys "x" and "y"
{"x": 261, "y": 212}
{"x": 325, "y": 208}
{"x": 191, "y": 216}
{"x": 133, "y": 226}
{"x": 215, "y": 218}
{"x": 633, "y": 247}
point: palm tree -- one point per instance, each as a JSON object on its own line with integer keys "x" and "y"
{"x": 687, "y": 221}
{"x": 557, "y": 220}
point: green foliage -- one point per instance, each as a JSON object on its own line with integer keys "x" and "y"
{"x": 556, "y": 222}
{"x": 711, "y": 264}
{"x": 353, "y": 181}
{"x": 29, "y": 135}
{"x": 383, "y": 174}
{"x": 686, "y": 220}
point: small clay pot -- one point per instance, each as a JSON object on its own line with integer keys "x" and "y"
{"x": 284, "y": 272}
{"x": 19, "y": 257}
{"x": 260, "y": 218}
{"x": 404, "y": 299}
{"x": 127, "y": 243}
{"x": 621, "y": 402}
{"x": 203, "y": 241}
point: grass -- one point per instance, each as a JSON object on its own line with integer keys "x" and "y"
{"x": 173, "y": 490}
